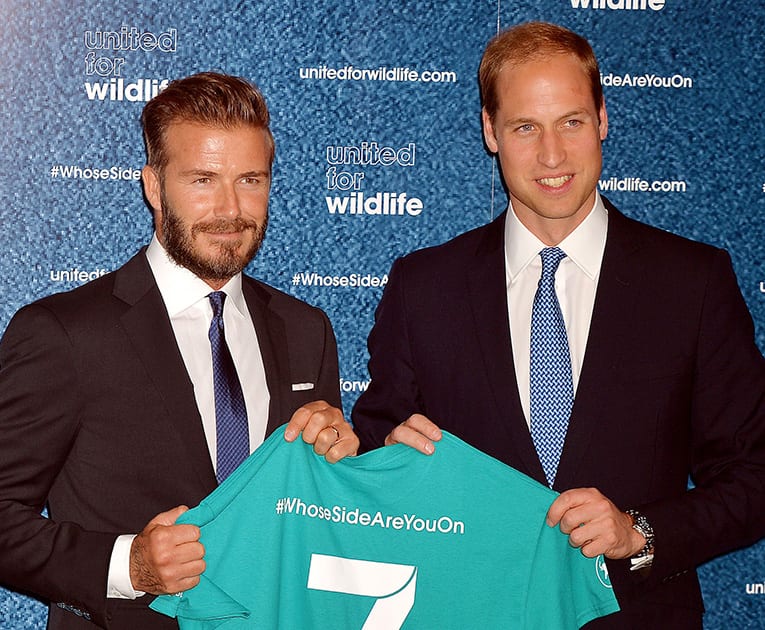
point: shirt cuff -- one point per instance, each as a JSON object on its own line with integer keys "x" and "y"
{"x": 641, "y": 562}
{"x": 118, "y": 584}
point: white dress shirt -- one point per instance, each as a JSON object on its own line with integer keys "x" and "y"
{"x": 190, "y": 312}
{"x": 576, "y": 281}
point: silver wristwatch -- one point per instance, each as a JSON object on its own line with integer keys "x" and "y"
{"x": 643, "y": 558}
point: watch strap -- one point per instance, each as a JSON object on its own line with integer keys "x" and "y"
{"x": 643, "y": 558}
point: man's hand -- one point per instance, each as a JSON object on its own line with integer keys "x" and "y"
{"x": 323, "y": 426}
{"x": 594, "y": 524}
{"x": 416, "y": 431}
{"x": 166, "y": 558}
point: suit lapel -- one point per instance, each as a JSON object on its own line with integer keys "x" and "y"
{"x": 487, "y": 290}
{"x": 272, "y": 339}
{"x": 610, "y": 325}
{"x": 148, "y": 327}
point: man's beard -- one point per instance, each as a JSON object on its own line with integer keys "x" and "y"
{"x": 220, "y": 267}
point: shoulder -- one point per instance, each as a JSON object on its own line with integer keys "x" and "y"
{"x": 624, "y": 228}
{"x": 54, "y": 325}
{"x": 75, "y": 304}
{"x": 659, "y": 246}
{"x": 463, "y": 250}
{"x": 279, "y": 302}
{"x": 89, "y": 305}
{"x": 465, "y": 244}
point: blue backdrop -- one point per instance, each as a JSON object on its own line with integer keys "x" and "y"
{"x": 376, "y": 115}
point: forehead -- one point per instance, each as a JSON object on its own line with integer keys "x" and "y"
{"x": 190, "y": 141}
{"x": 554, "y": 79}
{"x": 183, "y": 133}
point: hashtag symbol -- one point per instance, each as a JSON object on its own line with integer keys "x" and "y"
{"x": 296, "y": 277}
{"x": 280, "y": 506}
{"x": 54, "y": 171}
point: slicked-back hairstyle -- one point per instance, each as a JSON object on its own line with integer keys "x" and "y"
{"x": 533, "y": 41}
{"x": 208, "y": 98}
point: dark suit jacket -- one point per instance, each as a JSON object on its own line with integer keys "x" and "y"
{"x": 672, "y": 385}
{"x": 98, "y": 418}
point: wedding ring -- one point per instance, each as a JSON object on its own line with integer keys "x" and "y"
{"x": 337, "y": 433}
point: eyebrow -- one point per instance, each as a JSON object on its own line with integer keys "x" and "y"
{"x": 255, "y": 174}
{"x": 575, "y": 112}
{"x": 522, "y": 120}
{"x": 196, "y": 171}
{"x": 205, "y": 173}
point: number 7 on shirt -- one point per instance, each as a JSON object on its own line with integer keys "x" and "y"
{"x": 393, "y": 585}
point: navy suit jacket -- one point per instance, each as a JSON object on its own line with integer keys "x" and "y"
{"x": 98, "y": 420}
{"x": 672, "y": 385}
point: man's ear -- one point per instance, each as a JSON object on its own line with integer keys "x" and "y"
{"x": 152, "y": 190}
{"x": 151, "y": 187}
{"x": 488, "y": 131}
{"x": 603, "y": 116}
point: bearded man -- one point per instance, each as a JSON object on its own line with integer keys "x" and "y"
{"x": 128, "y": 399}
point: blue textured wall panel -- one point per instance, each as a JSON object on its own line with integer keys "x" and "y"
{"x": 684, "y": 92}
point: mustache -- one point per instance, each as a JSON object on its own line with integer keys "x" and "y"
{"x": 219, "y": 226}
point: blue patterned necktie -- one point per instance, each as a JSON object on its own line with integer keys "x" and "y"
{"x": 551, "y": 386}
{"x": 231, "y": 428}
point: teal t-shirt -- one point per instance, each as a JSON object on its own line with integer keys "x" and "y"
{"x": 390, "y": 539}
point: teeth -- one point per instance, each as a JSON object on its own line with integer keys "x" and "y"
{"x": 554, "y": 182}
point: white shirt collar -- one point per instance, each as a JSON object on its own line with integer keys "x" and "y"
{"x": 180, "y": 288}
{"x": 584, "y": 246}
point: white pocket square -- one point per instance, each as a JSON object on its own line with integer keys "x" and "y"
{"x": 301, "y": 387}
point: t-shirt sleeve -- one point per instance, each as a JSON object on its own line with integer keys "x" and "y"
{"x": 566, "y": 589}
{"x": 205, "y": 604}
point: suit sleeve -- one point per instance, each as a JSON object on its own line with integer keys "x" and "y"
{"x": 39, "y": 394}
{"x": 725, "y": 509}
{"x": 393, "y": 393}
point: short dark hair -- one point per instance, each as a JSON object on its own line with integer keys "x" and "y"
{"x": 208, "y": 98}
{"x": 528, "y": 42}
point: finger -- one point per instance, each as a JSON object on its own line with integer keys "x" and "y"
{"x": 569, "y": 500}
{"x": 582, "y": 534}
{"x": 325, "y": 425}
{"x": 336, "y": 441}
{"x": 192, "y": 551}
{"x": 325, "y": 439}
{"x": 557, "y": 509}
{"x": 592, "y": 549}
{"x": 600, "y": 540}
{"x": 172, "y": 545}
{"x": 424, "y": 425}
{"x": 577, "y": 517}
{"x": 298, "y": 420}
{"x": 181, "y": 576}
{"x": 311, "y": 419}
{"x": 180, "y": 585}
{"x": 169, "y": 517}
{"x": 173, "y": 535}
{"x": 347, "y": 445}
{"x": 410, "y": 433}
{"x": 177, "y": 563}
